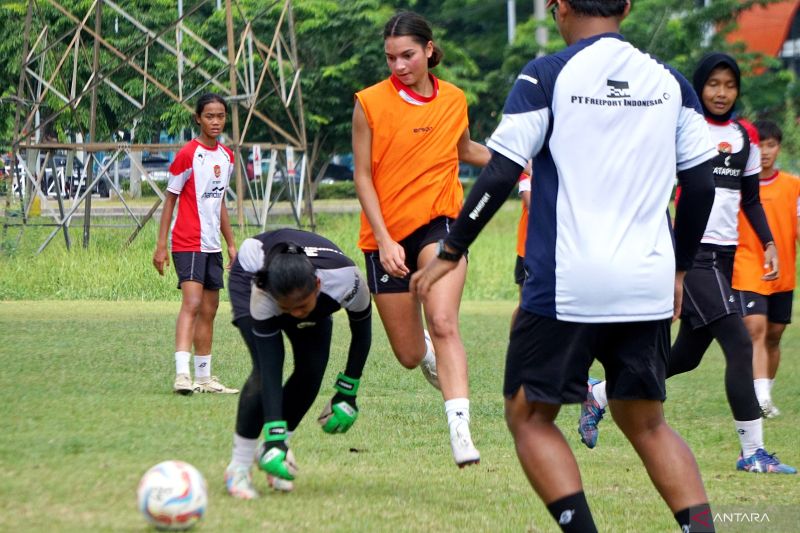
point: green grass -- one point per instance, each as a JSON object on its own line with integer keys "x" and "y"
{"x": 109, "y": 271}
{"x": 87, "y": 408}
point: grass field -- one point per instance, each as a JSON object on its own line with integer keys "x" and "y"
{"x": 85, "y": 392}
{"x": 86, "y": 354}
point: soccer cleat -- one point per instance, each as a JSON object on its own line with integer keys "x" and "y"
{"x": 183, "y": 384}
{"x": 280, "y": 485}
{"x": 764, "y": 463}
{"x": 768, "y": 409}
{"x": 464, "y": 452}
{"x": 239, "y": 482}
{"x": 591, "y": 415}
{"x": 213, "y": 385}
{"x": 428, "y": 364}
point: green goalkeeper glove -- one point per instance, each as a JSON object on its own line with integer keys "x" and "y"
{"x": 341, "y": 412}
{"x": 275, "y": 458}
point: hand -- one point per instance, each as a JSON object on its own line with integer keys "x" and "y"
{"x": 276, "y": 459}
{"x": 393, "y": 259}
{"x": 231, "y": 256}
{"x": 676, "y": 309}
{"x": 161, "y": 259}
{"x": 771, "y": 262}
{"x": 423, "y": 279}
{"x": 341, "y": 412}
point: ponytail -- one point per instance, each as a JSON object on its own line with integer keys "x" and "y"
{"x": 286, "y": 270}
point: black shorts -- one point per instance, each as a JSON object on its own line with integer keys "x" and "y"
{"x": 519, "y": 271}
{"x": 777, "y": 306}
{"x": 707, "y": 292}
{"x": 202, "y": 267}
{"x": 380, "y": 282}
{"x": 551, "y": 358}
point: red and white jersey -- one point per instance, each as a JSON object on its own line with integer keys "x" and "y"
{"x": 199, "y": 177}
{"x": 738, "y": 156}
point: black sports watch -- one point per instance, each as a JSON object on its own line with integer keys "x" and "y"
{"x": 441, "y": 253}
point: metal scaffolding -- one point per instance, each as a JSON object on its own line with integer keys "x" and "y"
{"x": 62, "y": 74}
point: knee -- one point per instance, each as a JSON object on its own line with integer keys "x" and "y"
{"x": 773, "y": 342}
{"x": 409, "y": 360}
{"x": 443, "y": 325}
{"x": 191, "y": 305}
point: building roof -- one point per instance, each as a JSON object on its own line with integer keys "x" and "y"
{"x": 765, "y": 28}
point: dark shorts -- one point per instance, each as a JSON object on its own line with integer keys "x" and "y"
{"x": 551, "y": 358}
{"x": 707, "y": 292}
{"x": 519, "y": 271}
{"x": 380, "y": 282}
{"x": 202, "y": 267}
{"x": 777, "y": 306}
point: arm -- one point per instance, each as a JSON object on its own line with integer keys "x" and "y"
{"x": 227, "y": 232}
{"x": 360, "y": 341}
{"x": 754, "y": 211}
{"x": 471, "y": 152}
{"x": 392, "y": 255}
{"x": 490, "y": 191}
{"x": 526, "y": 199}
{"x": 691, "y": 217}
{"x": 161, "y": 255}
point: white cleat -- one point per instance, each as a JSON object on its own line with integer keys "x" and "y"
{"x": 428, "y": 364}
{"x": 213, "y": 386}
{"x": 768, "y": 409}
{"x": 239, "y": 482}
{"x": 464, "y": 452}
{"x": 183, "y": 385}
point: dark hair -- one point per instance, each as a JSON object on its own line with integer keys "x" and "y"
{"x": 598, "y": 8}
{"x": 286, "y": 269}
{"x": 207, "y": 98}
{"x": 768, "y": 130}
{"x": 409, "y": 24}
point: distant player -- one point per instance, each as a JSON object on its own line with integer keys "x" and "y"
{"x": 710, "y": 310}
{"x": 602, "y": 281}
{"x": 409, "y": 133}
{"x": 524, "y": 189}
{"x": 289, "y": 282}
{"x": 767, "y": 305}
{"x": 199, "y": 178}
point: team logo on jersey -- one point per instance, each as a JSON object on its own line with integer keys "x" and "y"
{"x": 617, "y": 89}
{"x": 724, "y": 147}
{"x": 423, "y": 129}
{"x": 217, "y": 171}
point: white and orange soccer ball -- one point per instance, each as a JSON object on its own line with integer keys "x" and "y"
{"x": 172, "y": 496}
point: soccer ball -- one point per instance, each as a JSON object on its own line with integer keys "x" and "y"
{"x": 172, "y": 495}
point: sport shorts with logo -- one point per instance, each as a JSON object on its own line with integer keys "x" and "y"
{"x": 380, "y": 282}
{"x": 202, "y": 267}
{"x": 777, "y": 306}
{"x": 550, "y": 358}
{"x": 707, "y": 292}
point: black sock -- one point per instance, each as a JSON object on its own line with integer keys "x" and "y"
{"x": 696, "y": 519}
{"x": 572, "y": 514}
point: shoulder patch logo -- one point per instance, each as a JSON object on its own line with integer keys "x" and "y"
{"x": 617, "y": 89}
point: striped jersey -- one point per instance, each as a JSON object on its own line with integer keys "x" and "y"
{"x": 607, "y": 127}
{"x": 199, "y": 176}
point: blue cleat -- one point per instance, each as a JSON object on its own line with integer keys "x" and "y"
{"x": 764, "y": 463}
{"x": 591, "y": 415}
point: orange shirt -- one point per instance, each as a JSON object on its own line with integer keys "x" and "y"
{"x": 414, "y": 155}
{"x": 522, "y": 227}
{"x": 779, "y": 196}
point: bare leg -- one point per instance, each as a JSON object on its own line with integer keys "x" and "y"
{"x": 191, "y": 302}
{"x": 402, "y": 319}
{"x": 773, "y": 342}
{"x": 757, "y": 328}
{"x": 204, "y": 325}
{"x": 668, "y": 460}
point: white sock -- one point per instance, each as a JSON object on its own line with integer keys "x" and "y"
{"x": 202, "y": 367}
{"x": 762, "y": 389}
{"x": 457, "y": 410}
{"x": 244, "y": 451}
{"x": 599, "y": 393}
{"x": 182, "y": 362}
{"x": 751, "y": 435}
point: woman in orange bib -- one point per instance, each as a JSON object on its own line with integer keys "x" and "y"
{"x": 409, "y": 133}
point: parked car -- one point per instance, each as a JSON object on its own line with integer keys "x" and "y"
{"x": 67, "y": 186}
{"x": 335, "y": 173}
{"x": 157, "y": 167}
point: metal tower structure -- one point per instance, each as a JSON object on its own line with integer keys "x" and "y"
{"x": 71, "y": 60}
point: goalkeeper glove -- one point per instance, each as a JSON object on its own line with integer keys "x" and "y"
{"x": 341, "y": 412}
{"x": 275, "y": 458}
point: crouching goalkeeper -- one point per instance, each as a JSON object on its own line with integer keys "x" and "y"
{"x": 289, "y": 282}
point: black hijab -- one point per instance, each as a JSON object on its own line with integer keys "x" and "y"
{"x": 703, "y": 72}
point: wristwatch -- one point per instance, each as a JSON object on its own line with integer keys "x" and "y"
{"x": 443, "y": 254}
